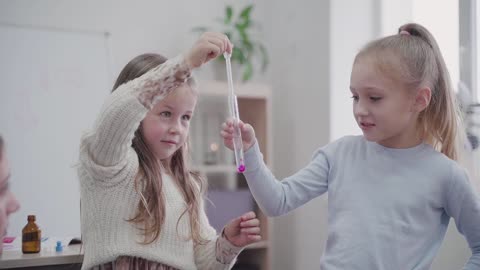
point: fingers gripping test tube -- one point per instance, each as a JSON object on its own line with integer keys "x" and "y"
{"x": 233, "y": 106}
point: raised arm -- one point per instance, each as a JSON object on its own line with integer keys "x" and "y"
{"x": 125, "y": 108}
{"x": 106, "y": 150}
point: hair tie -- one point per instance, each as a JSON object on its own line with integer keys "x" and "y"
{"x": 404, "y": 32}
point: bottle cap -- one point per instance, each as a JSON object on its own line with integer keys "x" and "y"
{"x": 31, "y": 218}
{"x": 59, "y": 246}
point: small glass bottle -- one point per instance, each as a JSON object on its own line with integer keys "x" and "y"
{"x": 31, "y": 236}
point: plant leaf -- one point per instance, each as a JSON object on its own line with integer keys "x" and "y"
{"x": 241, "y": 31}
{"x": 247, "y": 71}
{"x": 245, "y": 13}
{"x": 243, "y": 25}
{"x": 228, "y": 14}
{"x": 244, "y": 21}
{"x": 238, "y": 55}
{"x": 243, "y": 36}
{"x": 246, "y": 43}
{"x": 264, "y": 54}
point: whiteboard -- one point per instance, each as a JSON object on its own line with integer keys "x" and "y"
{"x": 52, "y": 84}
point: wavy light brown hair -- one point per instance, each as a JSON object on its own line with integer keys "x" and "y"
{"x": 415, "y": 60}
{"x": 150, "y": 215}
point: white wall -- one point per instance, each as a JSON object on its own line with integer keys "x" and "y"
{"x": 298, "y": 36}
{"x": 346, "y": 40}
{"x": 393, "y": 14}
{"x": 476, "y": 30}
{"x": 441, "y": 18}
{"x": 44, "y": 92}
{"x": 136, "y": 27}
{"x": 443, "y": 24}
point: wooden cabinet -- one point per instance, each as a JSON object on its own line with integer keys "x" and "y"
{"x": 214, "y": 161}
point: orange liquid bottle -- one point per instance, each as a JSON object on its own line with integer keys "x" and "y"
{"x": 31, "y": 236}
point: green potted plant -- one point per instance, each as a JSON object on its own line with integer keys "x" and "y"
{"x": 249, "y": 53}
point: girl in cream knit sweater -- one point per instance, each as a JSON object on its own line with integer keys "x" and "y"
{"x": 142, "y": 208}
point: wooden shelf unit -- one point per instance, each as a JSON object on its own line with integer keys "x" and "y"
{"x": 254, "y": 103}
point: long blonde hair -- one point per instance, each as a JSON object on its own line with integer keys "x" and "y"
{"x": 413, "y": 58}
{"x": 150, "y": 213}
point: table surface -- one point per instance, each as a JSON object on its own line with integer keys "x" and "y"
{"x": 15, "y": 258}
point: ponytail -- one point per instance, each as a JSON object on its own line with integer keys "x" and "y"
{"x": 440, "y": 121}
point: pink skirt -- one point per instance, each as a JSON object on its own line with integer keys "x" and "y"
{"x": 132, "y": 263}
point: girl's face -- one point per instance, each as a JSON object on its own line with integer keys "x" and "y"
{"x": 383, "y": 108}
{"x": 166, "y": 126}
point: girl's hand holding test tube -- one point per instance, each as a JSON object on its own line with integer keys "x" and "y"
{"x": 247, "y": 132}
{"x": 236, "y": 140}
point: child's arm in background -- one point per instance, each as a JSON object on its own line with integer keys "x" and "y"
{"x": 106, "y": 150}
{"x": 463, "y": 205}
{"x": 274, "y": 197}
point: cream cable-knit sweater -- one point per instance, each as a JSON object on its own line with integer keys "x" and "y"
{"x": 107, "y": 169}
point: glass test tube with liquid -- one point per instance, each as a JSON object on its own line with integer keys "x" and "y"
{"x": 233, "y": 106}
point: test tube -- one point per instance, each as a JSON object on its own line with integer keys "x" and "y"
{"x": 233, "y": 105}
